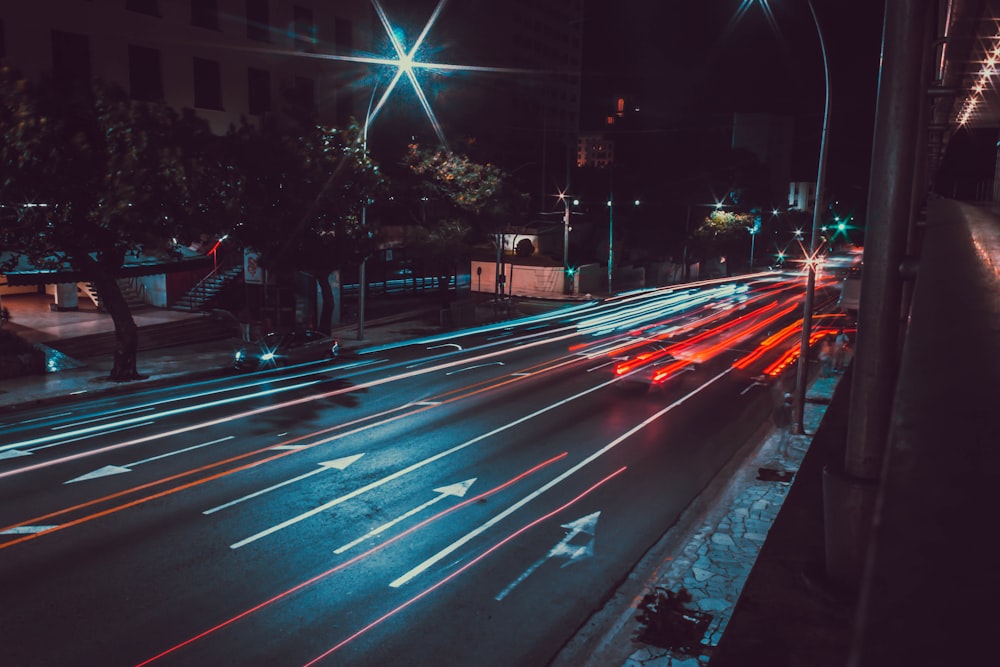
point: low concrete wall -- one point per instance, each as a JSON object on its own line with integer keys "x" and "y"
{"x": 536, "y": 281}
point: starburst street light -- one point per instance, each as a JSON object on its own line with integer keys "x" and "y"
{"x": 407, "y": 62}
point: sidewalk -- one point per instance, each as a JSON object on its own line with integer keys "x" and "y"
{"x": 710, "y": 552}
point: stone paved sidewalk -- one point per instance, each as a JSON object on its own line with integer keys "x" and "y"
{"x": 716, "y": 561}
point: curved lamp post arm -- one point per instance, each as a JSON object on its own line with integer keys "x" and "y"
{"x": 802, "y": 368}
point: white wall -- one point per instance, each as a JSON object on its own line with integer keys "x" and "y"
{"x": 545, "y": 282}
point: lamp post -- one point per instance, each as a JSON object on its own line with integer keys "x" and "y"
{"x": 362, "y": 278}
{"x": 611, "y": 239}
{"x": 802, "y": 368}
{"x": 754, "y": 229}
{"x": 567, "y": 277}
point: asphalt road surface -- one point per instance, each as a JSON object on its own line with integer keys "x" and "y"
{"x": 466, "y": 499}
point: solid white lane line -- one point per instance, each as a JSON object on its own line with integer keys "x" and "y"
{"x": 105, "y": 418}
{"x": 411, "y": 468}
{"x": 337, "y": 464}
{"x": 256, "y": 411}
{"x": 542, "y": 489}
{"x": 457, "y": 490}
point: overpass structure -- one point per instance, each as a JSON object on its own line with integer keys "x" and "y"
{"x": 882, "y": 554}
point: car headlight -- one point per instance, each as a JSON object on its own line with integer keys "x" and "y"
{"x": 239, "y": 356}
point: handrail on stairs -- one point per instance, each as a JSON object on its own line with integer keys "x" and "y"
{"x": 199, "y": 292}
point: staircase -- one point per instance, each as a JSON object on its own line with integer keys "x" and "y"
{"x": 131, "y": 291}
{"x": 195, "y": 329}
{"x": 202, "y": 296}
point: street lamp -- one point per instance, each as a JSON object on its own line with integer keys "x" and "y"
{"x": 567, "y": 274}
{"x": 800, "y": 376}
{"x": 611, "y": 238}
{"x": 362, "y": 278}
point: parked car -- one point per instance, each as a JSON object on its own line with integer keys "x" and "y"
{"x": 285, "y": 349}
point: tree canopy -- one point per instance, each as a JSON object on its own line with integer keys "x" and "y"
{"x": 304, "y": 199}
{"x": 466, "y": 199}
{"x": 91, "y": 177}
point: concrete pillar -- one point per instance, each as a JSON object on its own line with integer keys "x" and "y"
{"x": 875, "y": 366}
{"x": 65, "y": 297}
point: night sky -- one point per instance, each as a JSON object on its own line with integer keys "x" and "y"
{"x": 689, "y": 62}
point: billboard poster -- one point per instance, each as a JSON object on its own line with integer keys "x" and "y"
{"x": 253, "y": 274}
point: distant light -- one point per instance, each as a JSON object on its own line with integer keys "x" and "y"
{"x": 636, "y": 202}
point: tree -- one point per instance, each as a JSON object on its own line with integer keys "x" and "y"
{"x": 306, "y": 191}
{"x": 94, "y": 178}
{"x": 478, "y": 198}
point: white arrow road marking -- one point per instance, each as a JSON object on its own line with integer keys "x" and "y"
{"x": 563, "y": 548}
{"x": 336, "y": 464}
{"x": 27, "y": 530}
{"x": 455, "y": 345}
{"x": 415, "y": 466}
{"x": 470, "y": 368}
{"x": 472, "y": 534}
{"x": 262, "y": 410}
{"x": 455, "y": 490}
{"x": 13, "y": 454}
{"x": 117, "y": 470}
